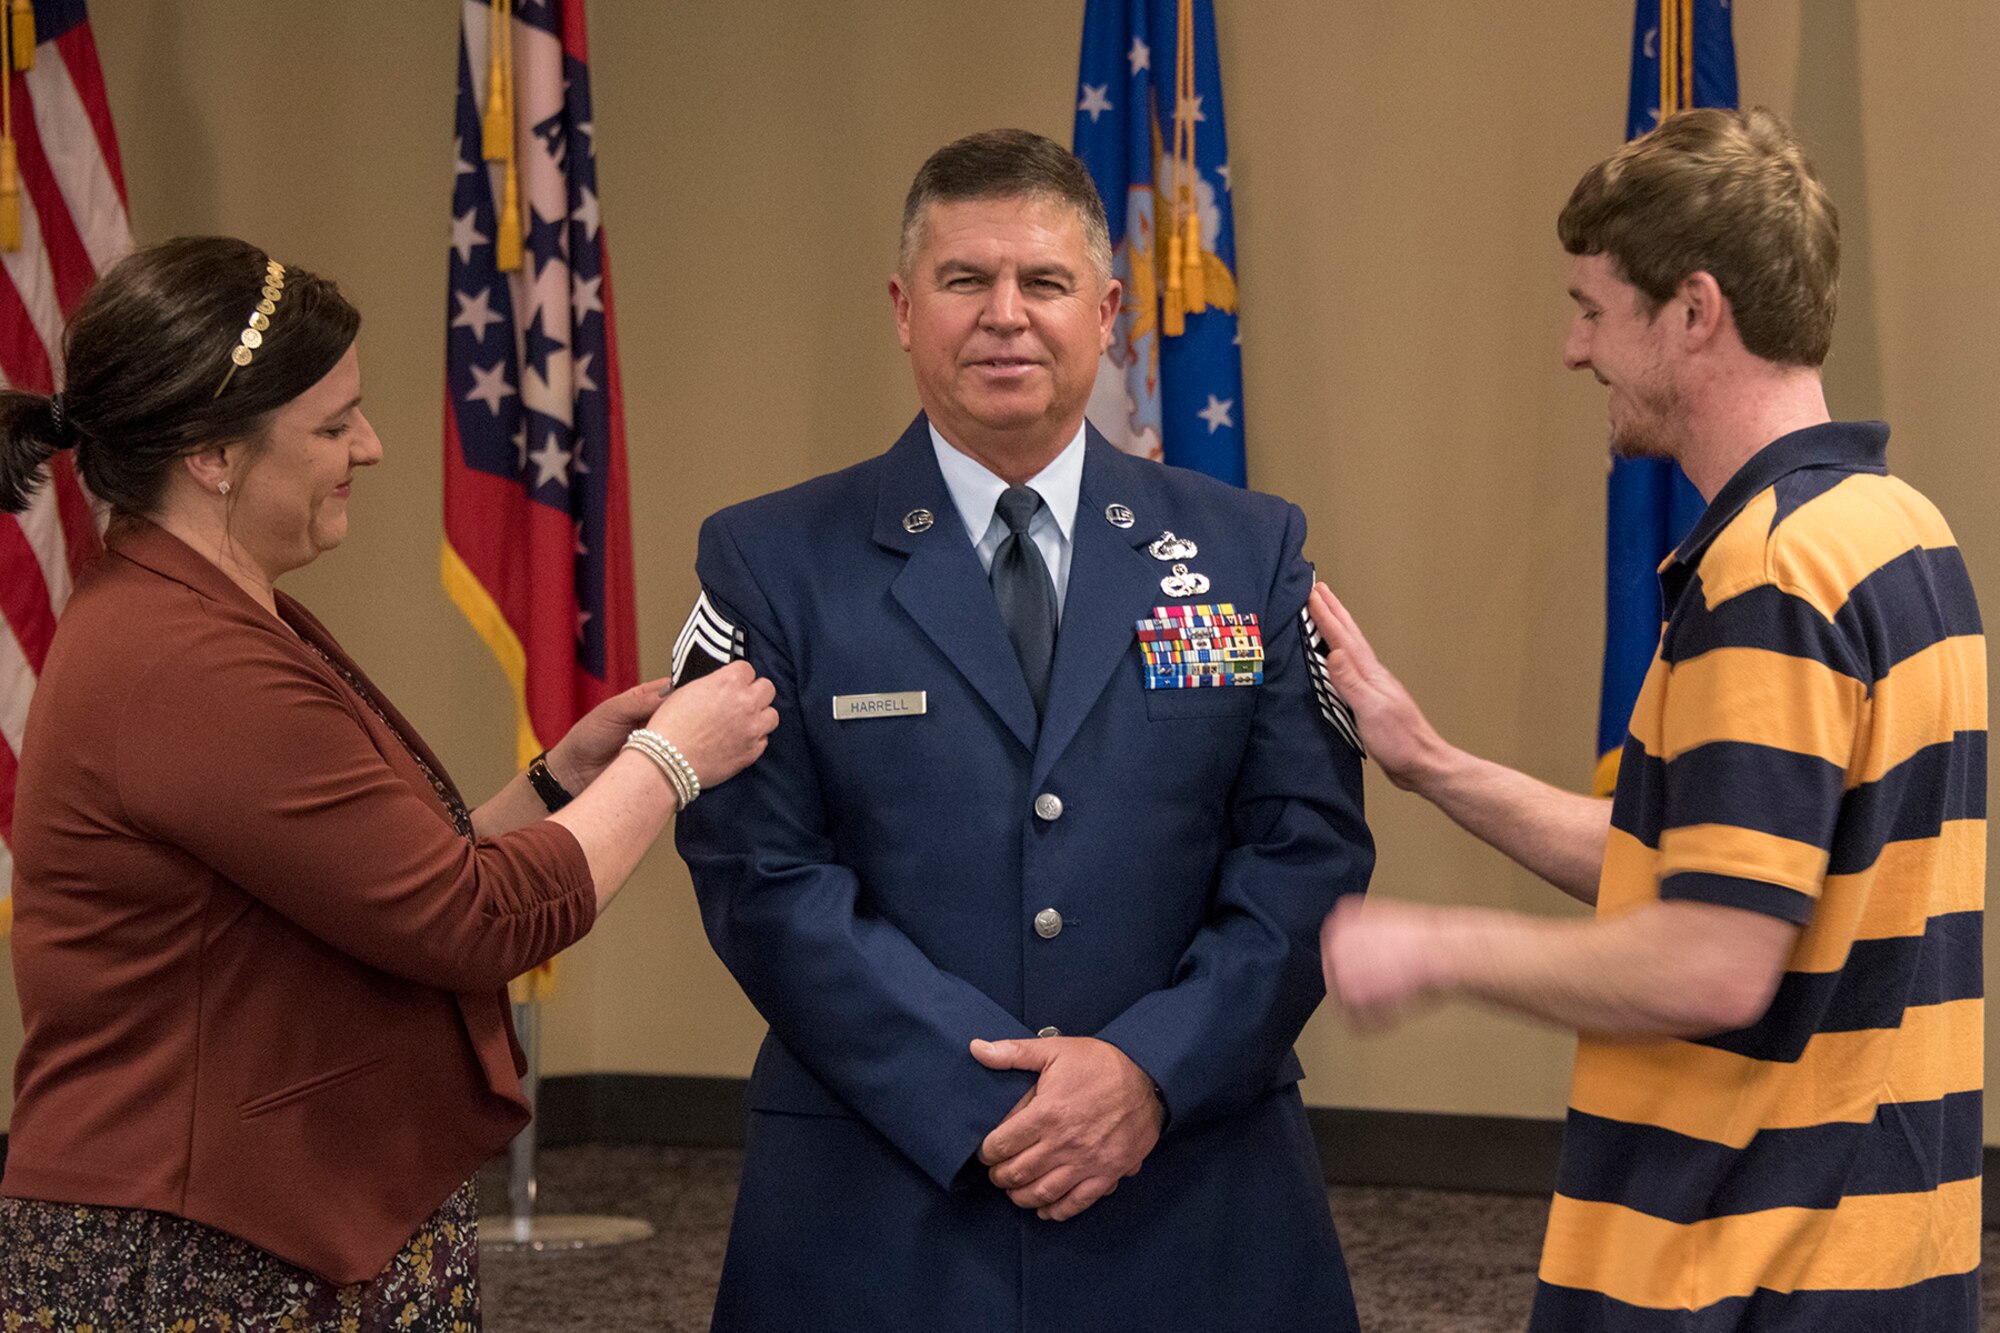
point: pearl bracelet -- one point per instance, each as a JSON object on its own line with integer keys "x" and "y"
{"x": 671, "y": 774}
{"x": 671, "y": 762}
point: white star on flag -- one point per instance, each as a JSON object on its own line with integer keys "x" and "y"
{"x": 1189, "y": 108}
{"x": 476, "y": 313}
{"x": 464, "y": 235}
{"x": 1223, "y": 171}
{"x": 458, "y": 153}
{"x": 490, "y": 386}
{"x": 551, "y": 462}
{"x": 1141, "y": 56}
{"x": 586, "y": 212}
{"x": 1216, "y": 414}
{"x": 1096, "y": 100}
{"x": 580, "y": 369}
{"x": 585, "y": 296}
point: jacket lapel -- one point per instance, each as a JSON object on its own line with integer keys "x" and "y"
{"x": 1111, "y": 584}
{"x": 942, "y": 586}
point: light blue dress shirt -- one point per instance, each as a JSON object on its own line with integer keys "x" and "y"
{"x": 975, "y": 492}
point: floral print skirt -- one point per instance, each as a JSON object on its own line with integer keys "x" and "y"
{"x": 68, "y": 1268}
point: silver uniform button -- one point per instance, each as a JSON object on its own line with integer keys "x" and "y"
{"x": 1048, "y": 806}
{"x": 1049, "y": 1032}
{"x": 1048, "y": 923}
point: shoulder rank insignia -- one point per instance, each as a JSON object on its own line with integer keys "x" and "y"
{"x": 707, "y": 642}
{"x": 1338, "y": 714}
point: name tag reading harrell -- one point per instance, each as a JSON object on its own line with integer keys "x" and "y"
{"x": 851, "y": 707}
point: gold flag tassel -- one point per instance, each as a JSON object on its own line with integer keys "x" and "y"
{"x": 22, "y": 16}
{"x": 497, "y": 135}
{"x": 1173, "y": 312}
{"x": 1193, "y": 286}
{"x": 10, "y": 173}
{"x": 507, "y": 245}
{"x": 1676, "y": 47}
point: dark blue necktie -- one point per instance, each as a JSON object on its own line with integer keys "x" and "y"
{"x": 1026, "y": 594}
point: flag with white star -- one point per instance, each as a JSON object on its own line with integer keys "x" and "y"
{"x": 1169, "y": 388}
{"x": 538, "y": 548}
{"x": 1683, "y": 55}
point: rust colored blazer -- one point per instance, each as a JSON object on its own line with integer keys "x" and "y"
{"x": 261, "y": 975}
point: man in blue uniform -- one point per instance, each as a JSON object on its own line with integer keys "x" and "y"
{"x": 1027, "y": 885}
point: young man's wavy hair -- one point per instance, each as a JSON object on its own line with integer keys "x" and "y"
{"x": 1730, "y": 194}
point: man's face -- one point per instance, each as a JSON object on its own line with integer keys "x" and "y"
{"x": 1614, "y": 338}
{"x": 1004, "y": 318}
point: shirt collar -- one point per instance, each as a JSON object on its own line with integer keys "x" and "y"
{"x": 1851, "y": 446}
{"x": 976, "y": 492}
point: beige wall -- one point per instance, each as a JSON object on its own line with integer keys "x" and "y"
{"x": 1397, "y": 173}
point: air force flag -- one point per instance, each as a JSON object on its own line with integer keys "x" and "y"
{"x": 1149, "y": 127}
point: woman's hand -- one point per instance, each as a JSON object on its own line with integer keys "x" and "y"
{"x": 720, "y": 722}
{"x": 577, "y": 759}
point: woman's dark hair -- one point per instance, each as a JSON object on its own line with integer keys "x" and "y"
{"x": 144, "y": 356}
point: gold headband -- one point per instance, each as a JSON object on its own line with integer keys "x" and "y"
{"x": 252, "y": 336}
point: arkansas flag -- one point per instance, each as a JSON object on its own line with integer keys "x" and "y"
{"x": 537, "y": 524}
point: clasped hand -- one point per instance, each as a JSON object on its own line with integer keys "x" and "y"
{"x": 1088, "y": 1123}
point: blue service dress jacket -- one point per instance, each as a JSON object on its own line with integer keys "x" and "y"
{"x": 1149, "y": 867}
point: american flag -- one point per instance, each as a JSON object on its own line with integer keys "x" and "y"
{"x": 73, "y": 227}
{"x": 538, "y": 550}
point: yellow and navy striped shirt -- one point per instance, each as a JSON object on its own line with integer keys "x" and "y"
{"x": 1809, "y": 743}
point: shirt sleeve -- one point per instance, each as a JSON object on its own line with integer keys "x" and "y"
{"x": 258, "y": 767}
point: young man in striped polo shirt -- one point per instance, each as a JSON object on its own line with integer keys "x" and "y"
{"x": 1775, "y": 1116}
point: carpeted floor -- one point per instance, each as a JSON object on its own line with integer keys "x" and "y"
{"x": 1422, "y": 1261}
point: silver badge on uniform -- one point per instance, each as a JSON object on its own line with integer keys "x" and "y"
{"x": 1170, "y": 547}
{"x": 1182, "y": 583}
{"x": 1118, "y": 516}
{"x": 918, "y": 520}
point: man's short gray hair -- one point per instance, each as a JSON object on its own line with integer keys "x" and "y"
{"x": 1005, "y": 164}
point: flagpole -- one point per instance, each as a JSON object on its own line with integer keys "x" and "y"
{"x": 537, "y": 549}
{"x": 521, "y": 1153}
{"x": 522, "y": 1230}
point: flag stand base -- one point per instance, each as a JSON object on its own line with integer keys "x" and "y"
{"x": 523, "y": 1231}
{"x": 558, "y": 1233}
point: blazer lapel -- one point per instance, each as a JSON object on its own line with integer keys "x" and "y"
{"x": 942, "y": 586}
{"x": 1111, "y": 584}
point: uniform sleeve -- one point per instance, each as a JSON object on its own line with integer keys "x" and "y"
{"x": 849, "y": 994}
{"x": 1220, "y": 1035}
{"x": 1748, "y": 761}
{"x": 258, "y": 769}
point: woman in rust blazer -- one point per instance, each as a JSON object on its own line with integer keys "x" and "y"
{"x": 260, "y": 942}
